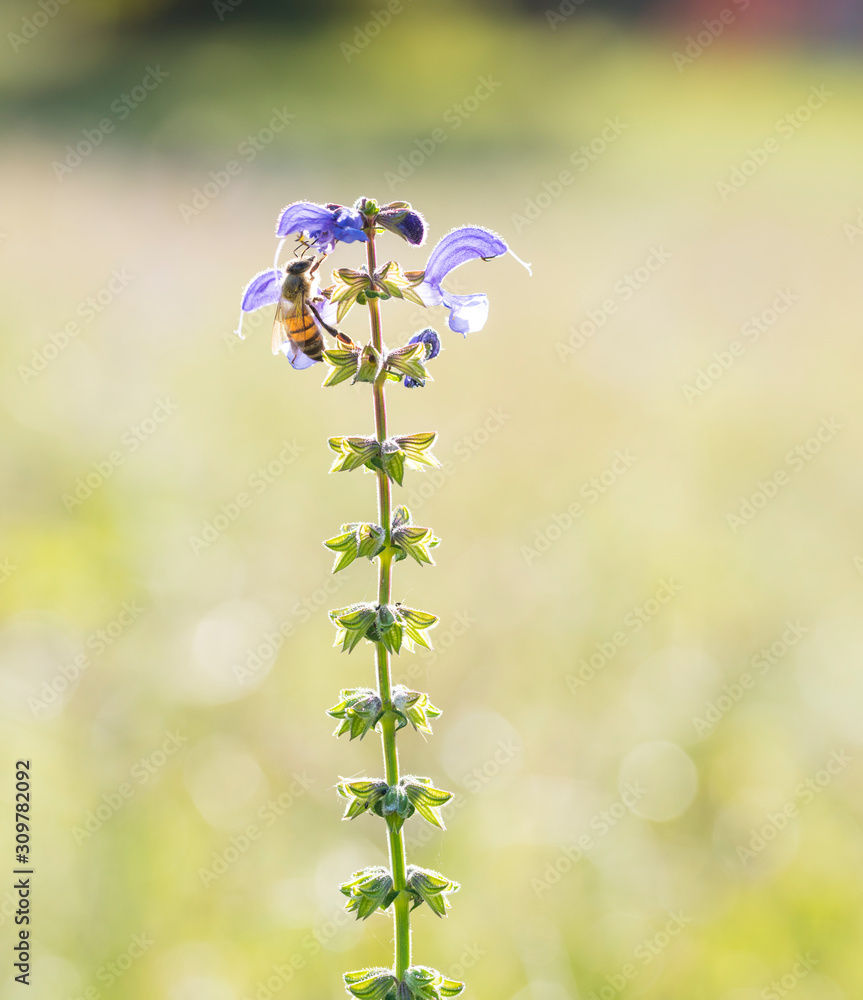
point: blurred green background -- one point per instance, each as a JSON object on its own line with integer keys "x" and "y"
{"x": 649, "y": 804}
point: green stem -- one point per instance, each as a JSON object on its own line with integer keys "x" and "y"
{"x": 388, "y": 726}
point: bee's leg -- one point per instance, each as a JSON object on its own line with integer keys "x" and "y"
{"x": 317, "y": 264}
{"x": 331, "y": 330}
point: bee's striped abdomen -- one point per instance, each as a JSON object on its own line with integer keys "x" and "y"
{"x": 304, "y": 332}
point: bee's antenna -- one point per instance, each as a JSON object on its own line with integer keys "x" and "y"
{"x": 302, "y": 242}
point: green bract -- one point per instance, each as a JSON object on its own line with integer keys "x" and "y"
{"x": 353, "y": 452}
{"x": 368, "y": 890}
{"x": 411, "y": 539}
{"x": 370, "y": 984}
{"x": 359, "y": 711}
{"x": 426, "y": 799}
{"x": 429, "y": 984}
{"x": 361, "y": 539}
{"x": 370, "y": 363}
{"x": 392, "y": 625}
{"x": 430, "y": 887}
{"x": 365, "y": 364}
{"x": 395, "y": 803}
{"x": 408, "y": 360}
{"x": 343, "y": 364}
{"x": 389, "y": 456}
{"x": 349, "y": 286}
{"x": 371, "y": 889}
{"x": 356, "y": 540}
{"x": 392, "y": 282}
{"x": 413, "y": 707}
{"x": 419, "y": 983}
{"x": 352, "y": 622}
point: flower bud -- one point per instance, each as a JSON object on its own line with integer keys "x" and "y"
{"x": 401, "y": 219}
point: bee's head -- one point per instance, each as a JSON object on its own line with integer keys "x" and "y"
{"x": 300, "y": 265}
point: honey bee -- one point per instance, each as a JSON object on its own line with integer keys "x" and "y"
{"x": 297, "y": 319}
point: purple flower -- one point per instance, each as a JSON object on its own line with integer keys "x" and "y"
{"x": 431, "y": 340}
{"x": 325, "y": 225}
{"x": 404, "y": 221}
{"x": 321, "y": 226}
{"x": 265, "y": 289}
{"x": 468, "y": 313}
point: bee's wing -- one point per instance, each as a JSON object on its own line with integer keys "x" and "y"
{"x": 281, "y": 333}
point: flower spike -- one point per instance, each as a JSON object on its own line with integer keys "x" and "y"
{"x": 303, "y": 313}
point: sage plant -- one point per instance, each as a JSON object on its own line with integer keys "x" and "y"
{"x": 305, "y": 315}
